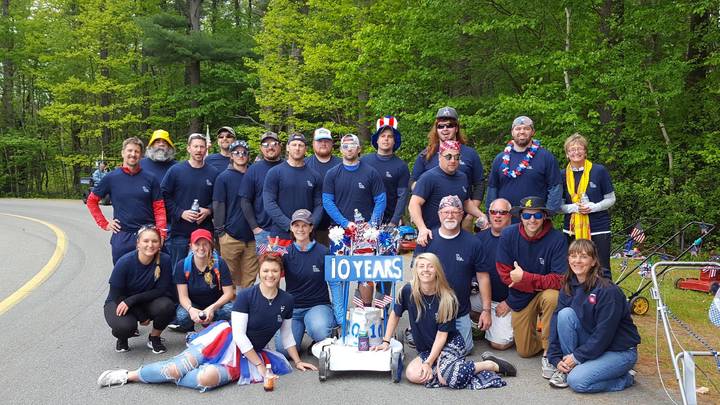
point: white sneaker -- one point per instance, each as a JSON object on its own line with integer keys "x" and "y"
{"x": 113, "y": 377}
{"x": 547, "y": 369}
{"x": 559, "y": 380}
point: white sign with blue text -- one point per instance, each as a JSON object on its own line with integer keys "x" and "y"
{"x": 363, "y": 268}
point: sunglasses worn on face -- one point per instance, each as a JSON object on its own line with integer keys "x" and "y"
{"x": 348, "y": 146}
{"x": 499, "y": 212}
{"x": 239, "y": 153}
{"x": 443, "y": 126}
{"x": 538, "y": 215}
{"x": 269, "y": 144}
{"x": 450, "y": 157}
{"x": 225, "y": 136}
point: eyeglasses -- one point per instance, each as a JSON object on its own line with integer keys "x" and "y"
{"x": 348, "y": 146}
{"x": 239, "y": 153}
{"x": 452, "y": 212}
{"x": 538, "y": 215}
{"x": 270, "y": 144}
{"x": 444, "y": 126}
{"x": 450, "y": 157}
{"x": 578, "y": 149}
{"x": 498, "y": 212}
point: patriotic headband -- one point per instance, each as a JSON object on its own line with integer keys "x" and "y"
{"x": 450, "y": 201}
{"x": 449, "y": 145}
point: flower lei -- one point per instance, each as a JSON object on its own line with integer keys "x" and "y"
{"x": 515, "y": 173}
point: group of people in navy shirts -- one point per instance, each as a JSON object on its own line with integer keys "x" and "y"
{"x": 207, "y": 241}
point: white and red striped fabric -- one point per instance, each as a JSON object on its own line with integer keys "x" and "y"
{"x": 386, "y": 121}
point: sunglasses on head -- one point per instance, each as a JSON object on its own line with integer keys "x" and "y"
{"x": 499, "y": 212}
{"x": 239, "y": 153}
{"x": 269, "y": 144}
{"x": 444, "y": 126}
{"x": 450, "y": 157}
{"x": 537, "y": 215}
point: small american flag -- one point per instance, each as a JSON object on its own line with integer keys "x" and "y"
{"x": 358, "y": 302}
{"x": 638, "y": 234}
{"x": 381, "y": 301}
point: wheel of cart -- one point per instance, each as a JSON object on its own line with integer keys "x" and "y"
{"x": 342, "y": 353}
{"x": 684, "y": 375}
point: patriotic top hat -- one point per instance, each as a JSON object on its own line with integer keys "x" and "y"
{"x": 387, "y": 121}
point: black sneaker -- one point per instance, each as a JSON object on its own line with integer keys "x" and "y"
{"x": 122, "y": 346}
{"x": 155, "y": 343}
{"x": 409, "y": 338}
{"x": 505, "y": 368}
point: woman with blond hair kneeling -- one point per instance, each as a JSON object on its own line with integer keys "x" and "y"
{"x": 432, "y": 309}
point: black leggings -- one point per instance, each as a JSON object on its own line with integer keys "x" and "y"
{"x": 161, "y": 310}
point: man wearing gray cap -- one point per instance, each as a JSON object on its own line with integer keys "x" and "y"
{"x": 220, "y": 161}
{"x": 525, "y": 168}
{"x": 292, "y": 186}
{"x": 321, "y": 161}
{"x": 447, "y": 128}
{"x": 251, "y": 189}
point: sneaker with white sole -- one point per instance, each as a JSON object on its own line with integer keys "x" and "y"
{"x": 548, "y": 370}
{"x": 559, "y": 380}
{"x": 156, "y": 344}
{"x": 113, "y": 377}
{"x": 409, "y": 340}
{"x": 121, "y": 346}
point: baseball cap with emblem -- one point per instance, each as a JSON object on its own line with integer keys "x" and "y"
{"x": 226, "y": 129}
{"x": 269, "y": 134}
{"x": 297, "y": 137}
{"x": 322, "y": 133}
{"x": 302, "y": 215}
{"x": 447, "y": 112}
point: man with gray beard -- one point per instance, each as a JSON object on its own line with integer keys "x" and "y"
{"x": 159, "y": 155}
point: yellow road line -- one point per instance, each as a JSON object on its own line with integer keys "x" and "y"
{"x": 44, "y": 273}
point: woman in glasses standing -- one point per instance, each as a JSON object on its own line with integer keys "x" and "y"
{"x": 447, "y": 128}
{"x": 588, "y": 193}
{"x": 138, "y": 286}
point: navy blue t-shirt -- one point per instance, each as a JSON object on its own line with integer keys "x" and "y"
{"x": 424, "y": 329}
{"x": 322, "y": 169}
{"x": 542, "y": 174}
{"x": 200, "y": 292}
{"x": 218, "y": 161}
{"x": 131, "y": 277}
{"x": 470, "y": 164}
{"x": 264, "y": 316}
{"x": 132, "y": 197}
{"x": 183, "y": 184}
{"x": 395, "y": 175}
{"x": 157, "y": 169}
{"x": 544, "y": 256}
{"x": 226, "y": 190}
{"x": 489, "y": 249}
{"x": 252, "y": 189}
{"x": 305, "y": 275}
{"x": 433, "y": 186}
{"x": 461, "y": 259}
{"x": 354, "y": 189}
{"x": 288, "y": 189}
{"x": 598, "y": 186}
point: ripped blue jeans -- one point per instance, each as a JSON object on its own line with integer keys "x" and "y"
{"x": 186, "y": 370}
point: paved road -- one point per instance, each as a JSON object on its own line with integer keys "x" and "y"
{"x": 55, "y": 343}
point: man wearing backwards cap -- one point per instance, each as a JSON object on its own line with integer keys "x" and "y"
{"x": 531, "y": 259}
{"x": 183, "y": 184}
{"x": 237, "y": 242}
{"x": 393, "y": 170}
{"x": 436, "y": 183}
{"x": 525, "y": 168}
{"x": 460, "y": 254}
{"x": 291, "y": 186}
{"x": 159, "y": 155}
{"x": 221, "y": 161}
{"x": 321, "y": 161}
{"x": 251, "y": 190}
{"x": 353, "y": 186}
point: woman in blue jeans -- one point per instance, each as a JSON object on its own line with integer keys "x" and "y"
{"x": 305, "y": 280}
{"x": 593, "y": 340}
{"x": 204, "y": 285}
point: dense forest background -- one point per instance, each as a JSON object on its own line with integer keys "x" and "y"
{"x": 639, "y": 78}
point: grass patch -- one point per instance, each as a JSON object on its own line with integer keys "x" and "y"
{"x": 689, "y": 306}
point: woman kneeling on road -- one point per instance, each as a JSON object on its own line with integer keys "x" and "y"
{"x": 204, "y": 285}
{"x": 432, "y": 309}
{"x": 139, "y": 283}
{"x": 221, "y": 353}
{"x": 593, "y": 340}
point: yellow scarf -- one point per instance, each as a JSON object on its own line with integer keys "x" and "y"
{"x": 579, "y": 223}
